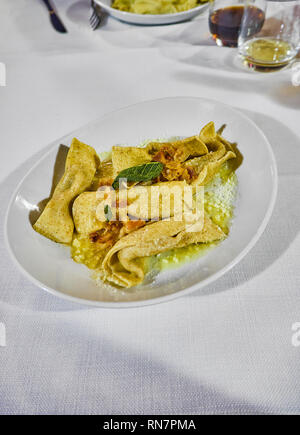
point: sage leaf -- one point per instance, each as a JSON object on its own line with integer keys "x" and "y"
{"x": 139, "y": 173}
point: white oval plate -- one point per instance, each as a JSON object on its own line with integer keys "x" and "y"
{"x": 148, "y": 19}
{"x": 49, "y": 266}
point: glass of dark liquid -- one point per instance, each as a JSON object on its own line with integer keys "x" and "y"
{"x": 226, "y": 17}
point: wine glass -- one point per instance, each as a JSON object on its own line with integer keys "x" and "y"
{"x": 226, "y": 17}
{"x": 277, "y": 43}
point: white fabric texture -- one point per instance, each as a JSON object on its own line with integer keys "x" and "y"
{"x": 225, "y": 349}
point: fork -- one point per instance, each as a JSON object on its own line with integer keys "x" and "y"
{"x": 95, "y": 18}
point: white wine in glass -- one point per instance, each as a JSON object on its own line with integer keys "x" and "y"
{"x": 276, "y": 45}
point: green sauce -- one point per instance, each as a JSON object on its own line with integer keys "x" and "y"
{"x": 179, "y": 256}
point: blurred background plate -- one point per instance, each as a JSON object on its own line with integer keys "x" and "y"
{"x": 148, "y": 19}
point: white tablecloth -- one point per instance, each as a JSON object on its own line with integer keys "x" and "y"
{"x": 225, "y": 349}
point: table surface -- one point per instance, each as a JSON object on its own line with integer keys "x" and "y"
{"x": 225, "y": 349}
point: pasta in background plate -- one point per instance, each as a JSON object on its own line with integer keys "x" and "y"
{"x": 156, "y": 7}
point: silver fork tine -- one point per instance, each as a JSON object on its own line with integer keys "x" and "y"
{"x": 95, "y": 18}
{"x": 93, "y": 21}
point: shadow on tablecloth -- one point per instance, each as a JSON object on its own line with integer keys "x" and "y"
{"x": 73, "y": 369}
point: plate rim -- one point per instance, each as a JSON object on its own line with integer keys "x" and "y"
{"x": 168, "y": 297}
